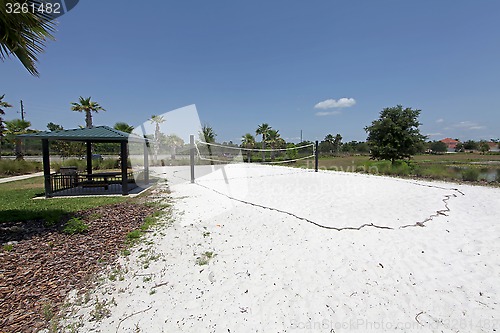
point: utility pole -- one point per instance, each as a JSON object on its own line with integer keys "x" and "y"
{"x": 300, "y": 135}
{"x": 22, "y": 110}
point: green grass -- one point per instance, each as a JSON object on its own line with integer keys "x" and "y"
{"x": 451, "y": 167}
{"x": 18, "y": 204}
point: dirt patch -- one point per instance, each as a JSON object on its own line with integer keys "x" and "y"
{"x": 37, "y": 273}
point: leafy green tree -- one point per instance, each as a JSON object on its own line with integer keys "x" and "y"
{"x": 173, "y": 141}
{"x": 248, "y": 142}
{"x": 395, "y": 135}
{"x": 24, "y": 34}
{"x": 87, "y": 106}
{"x": 54, "y": 127}
{"x": 484, "y": 147}
{"x": 470, "y": 145}
{"x": 124, "y": 127}
{"x": 438, "y": 147}
{"x": 263, "y": 129}
{"x": 3, "y": 105}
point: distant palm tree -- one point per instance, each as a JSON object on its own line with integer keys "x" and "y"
{"x": 273, "y": 138}
{"x": 263, "y": 130}
{"x": 248, "y": 142}
{"x": 87, "y": 106}
{"x": 124, "y": 127}
{"x": 2, "y": 112}
{"x": 24, "y": 34}
{"x": 14, "y": 128}
{"x": 157, "y": 120}
{"x": 208, "y": 135}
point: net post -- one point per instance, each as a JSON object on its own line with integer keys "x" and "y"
{"x": 316, "y": 156}
{"x": 191, "y": 156}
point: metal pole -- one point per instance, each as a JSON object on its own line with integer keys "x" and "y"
{"x": 191, "y": 156}
{"x": 124, "y": 160}
{"x": 316, "y": 157}
{"x": 46, "y": 168}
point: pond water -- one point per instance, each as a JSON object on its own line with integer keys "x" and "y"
{"x": 490, "y": 174}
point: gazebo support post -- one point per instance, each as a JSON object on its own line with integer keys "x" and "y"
{"x": 89, "y": 157}
{"x": 46, "y": 168}
{"x": 124, "y": 159}
{"x": 146, "y": 162}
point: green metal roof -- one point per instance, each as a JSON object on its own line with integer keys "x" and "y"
{"x": 95, "y": 134}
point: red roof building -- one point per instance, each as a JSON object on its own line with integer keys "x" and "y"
{"x": 450, "y": 143}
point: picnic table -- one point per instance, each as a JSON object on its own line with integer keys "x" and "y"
{"x": 101, "y": 179}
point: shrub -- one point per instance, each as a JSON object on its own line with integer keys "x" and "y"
{"x": 470, "y": 174}
{"x": 18, "y": 167}
{"x": 75, "y": 226}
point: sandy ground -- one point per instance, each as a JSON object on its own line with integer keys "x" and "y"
{"x": 298, "y": 251}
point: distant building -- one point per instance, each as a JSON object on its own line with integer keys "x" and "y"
{"x": 451, "y": 144}
{"x": 494, "y": 146}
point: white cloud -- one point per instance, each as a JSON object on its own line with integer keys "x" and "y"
{"x": 469, "y": 125}
{"x": 327, "y": 113}
{"x": 440, "y": 120}
{"x": 434, "y": 134}
{"x": 331, "y": 103}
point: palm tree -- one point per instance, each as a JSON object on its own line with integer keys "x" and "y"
{"x": 273, "y": 137}
{"x": 208, "y": 134}
{"x": 248, "y": 142}
{"x": 2, "y": 112}
{"x": 87, "y": 106}
{"x": 157, "y": 120}
{"x": 14, "y": 128}
{"x": 124, "y": 127}
{"x": 263, "y": 130}
{"x": 23, "y": 35}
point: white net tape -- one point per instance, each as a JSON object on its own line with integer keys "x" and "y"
{"x": 232, "y": 154}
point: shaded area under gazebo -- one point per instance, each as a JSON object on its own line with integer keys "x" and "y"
{"x": 70, "y": 182}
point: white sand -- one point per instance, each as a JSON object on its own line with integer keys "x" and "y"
{"x": 274, "y": 272}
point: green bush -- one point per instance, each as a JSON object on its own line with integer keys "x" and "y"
{"x": 470, "y": 174}
{"x": 18, "y": 167}
{"x": 75, "y": 226}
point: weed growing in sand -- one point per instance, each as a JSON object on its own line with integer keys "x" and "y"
{"x": 8, "y": 247}
{"x": 152, "y": 292}
{"x": 100, "y": 311}
{"x": 75, "y": 226}
{"x": 206, "y": 234}
{"x": 47, "y": 312}
{"x": 205, "y": 257}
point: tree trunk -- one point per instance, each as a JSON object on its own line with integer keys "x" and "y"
{"x": 88, "y": 119}
{"x": 263, "y": 147}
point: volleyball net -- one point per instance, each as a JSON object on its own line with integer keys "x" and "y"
{"x": 217, "y": 153}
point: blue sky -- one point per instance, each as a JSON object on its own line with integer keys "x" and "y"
{"x": 317, "y": 66}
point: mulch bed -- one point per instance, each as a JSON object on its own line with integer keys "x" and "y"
{"x": 37, "y": 274}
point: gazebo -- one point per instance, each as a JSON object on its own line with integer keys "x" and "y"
{"x": 69, "y": 181}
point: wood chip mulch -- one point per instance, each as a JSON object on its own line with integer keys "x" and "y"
{"x": 37, "y": 274}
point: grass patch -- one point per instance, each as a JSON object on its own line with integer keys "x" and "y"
{"x": 205, "y": 257}
{"x": 18, "y": 204}
{"x": 75, "y": 226}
